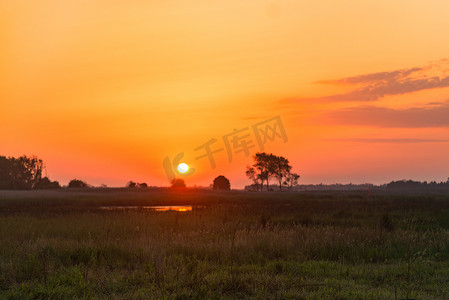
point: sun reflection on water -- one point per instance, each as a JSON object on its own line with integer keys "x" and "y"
{"x": 174, "y": 208}
{"x": 180, "y": 208}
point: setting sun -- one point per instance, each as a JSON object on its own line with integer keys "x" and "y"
{"x": 183, "y": 167}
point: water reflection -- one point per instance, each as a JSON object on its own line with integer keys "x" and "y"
{"x": 174, "y": 208}
{"x": 181, "y": 208}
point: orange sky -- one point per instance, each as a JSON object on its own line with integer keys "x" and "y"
{"x": 104, "y": 90}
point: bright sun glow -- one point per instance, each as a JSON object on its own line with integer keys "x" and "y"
{"x": 182, "y": 167}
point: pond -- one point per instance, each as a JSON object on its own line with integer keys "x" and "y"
{"x": 180, "y": 208}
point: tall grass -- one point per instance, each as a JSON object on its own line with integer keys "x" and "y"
{"x": 236, "y": 245}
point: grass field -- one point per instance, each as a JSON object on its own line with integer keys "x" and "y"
{"x": 356, "y": 245}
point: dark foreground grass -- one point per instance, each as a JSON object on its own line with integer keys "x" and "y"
{"x": 59, "y": 245}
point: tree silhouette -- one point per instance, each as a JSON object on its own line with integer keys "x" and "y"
{"x": 131, "y": 184}
{"x": 221, "y": 183}
{"x": 76, "y": 183}
{"x": 45, "y": 184}
{"x": 5, "y": 171}
{"x": 178, "y": 183}
{"x": 291, "y": 180}
{"x": 20, "y": 173}
{"x": 281, "y": 169}
{"x": 267, "y": 166}
{"x": 264, "y": 165}
{"x": 252, "y": 174}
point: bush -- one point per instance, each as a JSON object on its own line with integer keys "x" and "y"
{"x": 221, "y": 183}
{"x": 45, "y": 184}
{"x": 178, "y": 183}
{"x": 76, "y": 183}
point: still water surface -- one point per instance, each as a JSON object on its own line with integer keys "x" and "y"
{"x": 155, "y": 208}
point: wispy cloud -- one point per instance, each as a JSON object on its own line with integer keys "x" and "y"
{"x": 374, "y": 86}
{"x": 373, "y": 77}
{"x": 417, "y": 117}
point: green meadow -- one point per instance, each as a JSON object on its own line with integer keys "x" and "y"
{"x": 231, "y": 245}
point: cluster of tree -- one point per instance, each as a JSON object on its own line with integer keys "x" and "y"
{"x": 131, "y": 184}
{"x": 410, "y": 184}
{"x": 24, "y": 173}
{"x": 269, "y": 166}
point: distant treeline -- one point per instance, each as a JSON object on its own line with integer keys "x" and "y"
{"x": 401, "y": 185}
{"x": 410, "y": 184}
{"x": 25, "y": 173}
{"x": 325, "y": 187}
